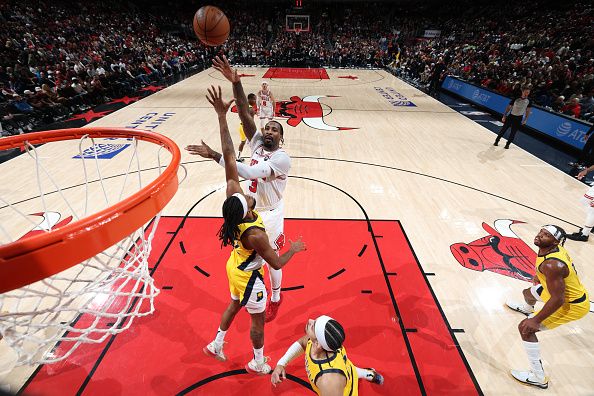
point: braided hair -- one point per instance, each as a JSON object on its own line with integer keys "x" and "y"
{"x": 232, "y": 217}
{"x": 334, "y": 334}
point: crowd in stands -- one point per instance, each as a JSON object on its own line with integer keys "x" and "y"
{"x": 550, "y": 49}
{"x": 58, "y": 57}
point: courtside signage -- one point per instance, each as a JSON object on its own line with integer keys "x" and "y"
{"x": 569, "y": 131}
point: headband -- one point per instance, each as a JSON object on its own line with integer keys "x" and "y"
{"x": 554, "y": 231}
{"x": 320, "y": 330}
{"x": 243, "y": 203}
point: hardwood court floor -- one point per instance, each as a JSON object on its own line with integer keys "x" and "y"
{"x": 409, "y": 159}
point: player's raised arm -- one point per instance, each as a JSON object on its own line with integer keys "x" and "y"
{"x": 222, "y": 65}
{"x": 215, "y": 98}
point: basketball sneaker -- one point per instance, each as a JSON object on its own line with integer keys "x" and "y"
{"x": 215, "y": 351}
{"x": 272, "y": 309}
{"x": 529, "y": 378}
{"x": 262, "y": 368}
{"x": 520, "y": 307}
{"x": 578, "y": 236}
{"x": 377, "y": 377}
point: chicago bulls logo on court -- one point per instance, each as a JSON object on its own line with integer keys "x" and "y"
{"x": 307, "y": 110}
{"x": 502, "y": 251}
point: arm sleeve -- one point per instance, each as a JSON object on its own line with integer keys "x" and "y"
{"x": 258, "y": 171}
{"x": 256, "y": 140}
{"x": 280, "y": 164}
{"x": 293, "y": 352}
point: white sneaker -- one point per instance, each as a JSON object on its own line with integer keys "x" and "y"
{"x": 520, "y": 307}
{"x": 529, "y": 378}
{"x": 261, "y": 368}
{"x": 215, "y": 351}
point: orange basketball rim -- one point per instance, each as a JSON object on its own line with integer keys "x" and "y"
{"x": 25, "y": 261}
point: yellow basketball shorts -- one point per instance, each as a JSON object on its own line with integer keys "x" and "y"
{"x": 567, "y": 313}
{"x": 241, "y": 133}
{"x": 248, "y": 288}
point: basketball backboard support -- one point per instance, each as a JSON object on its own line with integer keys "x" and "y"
{"x": 297, "y": 23}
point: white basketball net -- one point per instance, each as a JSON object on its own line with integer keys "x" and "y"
{"x": 46, "y": 321}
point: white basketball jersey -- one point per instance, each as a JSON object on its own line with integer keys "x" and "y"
{"x": 265, "y": 101}
{"x": 268, "y": 191}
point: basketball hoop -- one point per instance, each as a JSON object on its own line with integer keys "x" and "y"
{"x": 94, "y": 267}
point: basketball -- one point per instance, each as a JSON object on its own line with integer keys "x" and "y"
{"x": 211, "y": 25}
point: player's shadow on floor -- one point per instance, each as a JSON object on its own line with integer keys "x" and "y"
{"x": 491, "y": 154}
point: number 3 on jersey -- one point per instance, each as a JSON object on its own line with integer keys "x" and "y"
{"x": 254, "y": 186}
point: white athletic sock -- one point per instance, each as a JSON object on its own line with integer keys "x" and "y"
{"x": 589, "y": 218}
{"x": 220, "y": 338}
{"x": 275, "y": 295}
{"x": 276, "y": 277}
{"x": 364, "y": 374}
{"x": 533, "y": 352}
{"x": 259, "y": 355}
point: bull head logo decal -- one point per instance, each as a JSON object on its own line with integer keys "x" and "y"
{"x": 307, "y": 110}
{"x": 501, "y": 251}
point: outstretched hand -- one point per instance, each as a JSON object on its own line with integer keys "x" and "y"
{"x": 202, "y": 150}
{"x": 222, "y": 65}
{"x": 297, "y": 246}
{"x": 215, "y": 98}
{"x": 278, "y": 375}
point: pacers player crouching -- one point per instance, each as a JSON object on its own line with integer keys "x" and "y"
{"x": 329, "y": 370}
{"x": 565, "y": 298}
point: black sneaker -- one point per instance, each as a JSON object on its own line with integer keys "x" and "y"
{"x": 496, "y": 143}
{"x": 240, "y": 159}
{"x": 578, "y": 236}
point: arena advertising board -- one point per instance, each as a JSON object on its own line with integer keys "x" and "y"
{"x": 565, "y": 129}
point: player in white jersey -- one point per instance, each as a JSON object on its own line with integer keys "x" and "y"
{"x": 268, "y": 171}
{"x": 588, "y": 203}
{"x": 266, "y": 105}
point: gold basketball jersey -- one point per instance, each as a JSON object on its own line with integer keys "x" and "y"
{"x": 574, "y": 290}
{"x": 336, "y": 362}
{"x": 242, "y": 258}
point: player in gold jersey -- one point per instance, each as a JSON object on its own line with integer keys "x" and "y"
{"x": 329, "y": 370}
{"x": 565, "y": 299}
{"x": 243, "y": 229}
{"x": 252, "y": 110}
